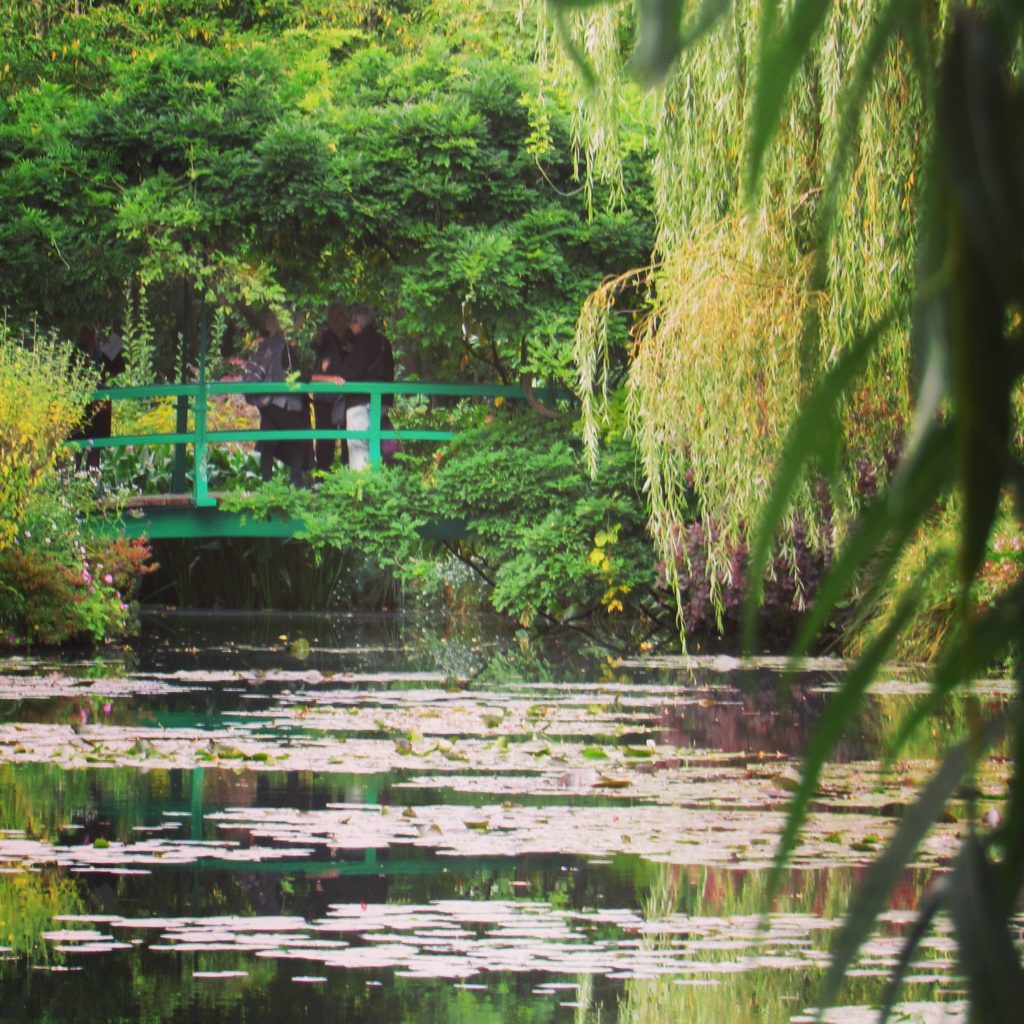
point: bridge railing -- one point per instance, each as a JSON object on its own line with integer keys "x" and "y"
{"x": 197, "y": 396}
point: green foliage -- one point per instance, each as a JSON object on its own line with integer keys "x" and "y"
{"x": 42, "y": 398}
{"x": 555, "y": 544}
{"x": 288, "y": 154}
{"x": 57, "y": 584}
{"x": 550, "y": 543}
{"x": 751, "y": 301}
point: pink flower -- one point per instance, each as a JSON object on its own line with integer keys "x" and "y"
{"x": 108, "y": 579}
{"x": 87, "y": 576}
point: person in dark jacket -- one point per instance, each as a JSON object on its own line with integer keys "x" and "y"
{"x": 105, "y": 356}
{"x": 283, "y": 412}
{"x": 370, "y": 358}
{"x": 331, "y": 341}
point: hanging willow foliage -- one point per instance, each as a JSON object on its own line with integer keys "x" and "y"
{"x": 732, "y": 342}
{"x": 714, "y": 381}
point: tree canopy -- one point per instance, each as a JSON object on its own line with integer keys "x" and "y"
{"x": 407, "y": 155}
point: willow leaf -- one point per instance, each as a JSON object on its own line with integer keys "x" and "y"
{"x": 576, "y": 55}
{"x": 882, "y": 34}
{"x": 803, "y": 444}
{"x": 988, "y": 956}
{"x": 931, "y": 903}
{"x": 710, "y": 14}
{"x": 781, "y": 55}
{"x": 882, "y": 533}
{"x": 659, "y": 40}
{"x": 837, "y": 716}
{"x": 573, "y": 5}
{"x": 889, "y": 867}
{"x": 967, "y": 654}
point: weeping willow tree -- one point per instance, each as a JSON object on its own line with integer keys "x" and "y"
{"x": 848, "y": 108}
{"x": 750, "y": 302}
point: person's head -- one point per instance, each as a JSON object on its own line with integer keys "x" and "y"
{"x": 86, "y": 340}
{"x": 337, "y": 317}
{"x": 361, "y": 318}
{"x": 270, "y": 323}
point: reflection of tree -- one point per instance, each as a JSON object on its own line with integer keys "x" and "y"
{"x": 29, "y": 901}
{"x": 753, "y": 995}
{"x": 939, "y": 732}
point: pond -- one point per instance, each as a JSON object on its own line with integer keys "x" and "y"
{"x": 271, "y": 819}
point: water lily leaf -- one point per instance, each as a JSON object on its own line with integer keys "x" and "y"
{"x": 300, "y": 649}
{"x": 789, "y": 783}
{"x": 594, "y": 753}
{"x": 631, "y": 751}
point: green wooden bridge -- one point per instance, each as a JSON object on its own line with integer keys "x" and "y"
{"x": 190, "y": 510}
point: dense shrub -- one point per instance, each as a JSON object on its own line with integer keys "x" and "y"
{"x": 58, "y": 583}
{"x": 42, "y": 398}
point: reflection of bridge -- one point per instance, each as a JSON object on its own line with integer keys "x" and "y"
{"x": 189, "y": 509}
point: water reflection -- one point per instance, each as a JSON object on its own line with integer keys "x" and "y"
{"x": 408, "y": 821}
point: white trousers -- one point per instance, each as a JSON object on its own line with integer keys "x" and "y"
{"x": 357, "y": 417}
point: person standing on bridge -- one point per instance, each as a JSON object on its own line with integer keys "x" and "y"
{"x": 287, "y": 411}
{"x": 105, "y": 357}
{"x": 331, "y": 342}
{"x": 368, "y": 358}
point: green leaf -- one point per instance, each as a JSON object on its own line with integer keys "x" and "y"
{"x": 973, "y": 650}
{"x": 710, "y": 14}
{"x": 658, "y": 41}
{"x": 838, "y": 715}
{"x": 780, "y": 57}
{"x": 576, "y": 55}
{"x": 931, "y": 903}
{"x": 887, "y": 869}
{"x": 988, "y": 956}
{"x": 882, "y": 533}
{"x": 803, "y": 444}
{"x": 573, "y": 5}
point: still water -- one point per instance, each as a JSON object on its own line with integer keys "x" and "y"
{"x": 289, "y": 819}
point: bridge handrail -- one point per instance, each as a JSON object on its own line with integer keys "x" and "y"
{"x": 201, "y": 436}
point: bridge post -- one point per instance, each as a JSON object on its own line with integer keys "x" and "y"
{"x": 200, "y": 481}
{"x": 375, "y": 418}
{"x": 181, "y": 425}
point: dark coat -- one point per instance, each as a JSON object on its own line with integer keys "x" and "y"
{"x": 369, "y": 358}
